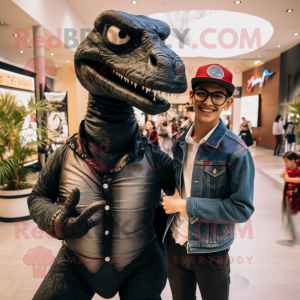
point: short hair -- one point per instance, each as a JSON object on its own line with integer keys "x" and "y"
{"x": 290, "y": 155}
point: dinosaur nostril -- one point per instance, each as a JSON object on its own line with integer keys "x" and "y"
{"x": 153, "y": 60}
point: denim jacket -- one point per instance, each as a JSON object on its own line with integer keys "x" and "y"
{"x": 222, "y": 189}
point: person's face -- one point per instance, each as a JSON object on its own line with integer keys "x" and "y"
{"x": 178, "y": 130}
{"x": 289, "y": 163}
{"x": 207, "y": 111}
{"x": 149, "y": 125}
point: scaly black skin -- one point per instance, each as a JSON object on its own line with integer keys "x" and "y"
{"x": 144, "y": 59}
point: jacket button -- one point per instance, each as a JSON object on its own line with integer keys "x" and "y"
{"x": 105, "y": 185}
{"x": 107, "y": 258}
{"x": 106, "y": 232}
{"x": 107, "y": 207}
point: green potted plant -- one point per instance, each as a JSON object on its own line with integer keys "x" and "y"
{"x": 17, "y": 149}
{"x": 293, "y": 108}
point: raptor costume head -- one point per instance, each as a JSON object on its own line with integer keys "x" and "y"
{"x": 125, "y": 58}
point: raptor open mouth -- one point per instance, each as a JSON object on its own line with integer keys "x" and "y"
{"x": 115, "y": 78}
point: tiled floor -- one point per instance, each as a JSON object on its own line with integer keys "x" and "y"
{"x": 263, "y": 266}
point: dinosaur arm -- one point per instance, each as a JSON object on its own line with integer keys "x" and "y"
{"x": 44, "y": 194}
{"x": 164, "y": 169}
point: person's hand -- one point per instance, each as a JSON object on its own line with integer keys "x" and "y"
{"x": 174, "y": 204}
{"x": 66, "y": 226}
{"x": 283, "y": 173}
{"x": 286, "y": 178}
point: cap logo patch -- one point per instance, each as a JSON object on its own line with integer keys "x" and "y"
{"x": 215, "y": 71}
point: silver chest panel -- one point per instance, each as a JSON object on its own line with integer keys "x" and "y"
{"x": 135, "y": 191}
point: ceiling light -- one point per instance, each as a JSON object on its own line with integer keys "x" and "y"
{"x": 21, "y": 51}
{"x": 52, "y": 53}
{"x": 237, "y": 2}
{"x": 289, "y": 10}
{"x": 1, "y": 23}
{"x": 278, "y": 46}
{"x": 296, "y": 33}
{"x": 15, "y": 35}
{"x": 257, "y": 62}
{"x": 28, "y": 41}
{"x": 133, "y": 2}
{"x": 67, "y": 61}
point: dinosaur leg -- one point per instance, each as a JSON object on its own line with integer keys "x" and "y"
{"x": 62, "y": 282}
{"x": 148, "y": 279}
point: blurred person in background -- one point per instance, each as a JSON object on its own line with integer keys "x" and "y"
{"x": 165, "y": 140}
{"x": 278, "y": 133}
{"x": 177, "y": 134}
{"x": 183, "y": 119}
{"x": 291, "y": 201}
{"x": 190, "y": 114}
{"x": 245, "y": 132}
{"x": 290, "y": 130}
{"x": 174, "y": 125}
{"x": 159, "y": 123}
{"x": 152, "y": 133}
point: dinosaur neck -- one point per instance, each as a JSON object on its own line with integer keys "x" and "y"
{"x": 112, "y": 126}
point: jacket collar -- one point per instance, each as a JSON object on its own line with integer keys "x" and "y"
{"x": 215, "y": 138}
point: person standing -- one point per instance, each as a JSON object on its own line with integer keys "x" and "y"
{"x": 291, "y": 201}
{"x": 245, "y": 132}
{"x": 290, "y": 130}
{"x": 214, "y": 175}
{"x": 152, "y": 133}
{"x": 278, "y": 132}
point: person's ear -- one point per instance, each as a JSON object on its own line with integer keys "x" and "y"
{"x": 228, "y": 103}
{"x": 191, "y": 99}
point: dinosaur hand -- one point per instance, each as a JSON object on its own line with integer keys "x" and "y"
{"x": 68, "y": 227}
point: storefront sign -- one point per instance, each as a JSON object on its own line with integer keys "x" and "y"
{"x": 252, "y": 81}
{"x": 55, "y": 96}
{"x": 16, "y": 81}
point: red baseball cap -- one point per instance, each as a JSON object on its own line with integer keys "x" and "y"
{"x": 214, "y": 73}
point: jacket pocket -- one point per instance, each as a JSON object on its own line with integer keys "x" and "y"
{"x": 214, "y": 179}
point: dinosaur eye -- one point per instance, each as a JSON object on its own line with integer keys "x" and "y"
{"x": 117, "y": 36}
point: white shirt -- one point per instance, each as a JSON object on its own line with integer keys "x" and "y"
{"x": 180, "y": 223}
{"x": 277, "y": 128}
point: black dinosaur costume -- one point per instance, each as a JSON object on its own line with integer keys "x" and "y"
{"x": 106, "y": 224}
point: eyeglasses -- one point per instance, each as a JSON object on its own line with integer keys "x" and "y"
{"x": 217, "y": 98}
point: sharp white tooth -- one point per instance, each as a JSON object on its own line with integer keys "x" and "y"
{"x": 121, "y": 76}
{"x": 154, "y": 92}
{"x": 147, "y": 90}
{"x": 135, "y": 84}
{"x": 143, "y": 87}
{"x": 154, "y": 98}
{"x": 131, "y": 82}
